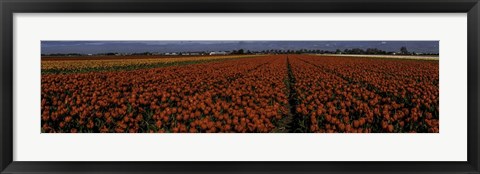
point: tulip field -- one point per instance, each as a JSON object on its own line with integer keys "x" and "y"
{"x": 295, "y": 93}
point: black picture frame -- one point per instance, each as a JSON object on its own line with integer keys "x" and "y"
{"x": 9, "y": 7}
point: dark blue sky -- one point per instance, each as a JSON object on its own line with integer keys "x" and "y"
{"x": 92, "y": 47}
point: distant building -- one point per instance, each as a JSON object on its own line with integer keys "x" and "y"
{"x": 218, "y": 53}
{"x": 171, "y": 54}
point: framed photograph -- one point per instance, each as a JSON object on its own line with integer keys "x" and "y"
{"x": 351, "y": 86}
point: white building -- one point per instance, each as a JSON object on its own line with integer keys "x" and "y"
{"x": 171, "y": 54}
{"x": 218, "y": 53}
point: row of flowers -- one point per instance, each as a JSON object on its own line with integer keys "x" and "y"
{"x": 64, "y": 64}
{"x": 366, "y": 95}
{"x": 329, "y": 94}
{"x": 244, "y": 95}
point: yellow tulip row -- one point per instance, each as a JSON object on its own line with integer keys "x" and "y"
{"x": 66, "y": 64}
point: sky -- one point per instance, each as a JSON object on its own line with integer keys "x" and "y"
{"x": 93, "y": 47}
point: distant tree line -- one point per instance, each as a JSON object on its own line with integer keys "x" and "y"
{"x": 370, "y": 51}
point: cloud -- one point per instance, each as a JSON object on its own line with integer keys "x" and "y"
{"x": 95, "y": 43}
{"x": 167, "y": 42}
